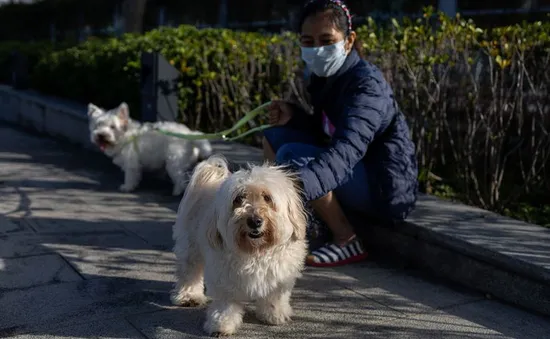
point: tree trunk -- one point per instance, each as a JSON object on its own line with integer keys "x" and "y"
{"x": 132, "y": 12}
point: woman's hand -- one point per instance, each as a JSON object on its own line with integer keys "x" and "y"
{"x": 280, "y": 112}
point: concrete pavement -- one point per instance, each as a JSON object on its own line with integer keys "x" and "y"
{"x": 78, "y": 259}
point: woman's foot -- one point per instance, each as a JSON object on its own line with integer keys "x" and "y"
{"x": 317, "y": 232}
{"x": 331, "y": 255}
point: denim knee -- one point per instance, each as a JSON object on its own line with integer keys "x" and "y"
{"x": 296, "y": 153}
{"x": 279, "y": 136}
{"x": 272, "y": 136}
{"x": 285, "y": 153}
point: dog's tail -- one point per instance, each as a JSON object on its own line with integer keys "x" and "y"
{"x": 207, "y": 177}
{"x": 205, "y": 149}
{"x": 208, "y": 172}
{"x": 205, "y": 180}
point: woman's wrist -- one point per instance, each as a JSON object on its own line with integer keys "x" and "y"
{"x": 295, "y": 108}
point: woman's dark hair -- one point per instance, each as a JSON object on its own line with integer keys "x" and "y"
{"x": 339, "y": 14}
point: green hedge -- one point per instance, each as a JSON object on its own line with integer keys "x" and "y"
{"x": 477, "y": 100}
{"x": 224, "y": 73}
{"x": 478, "y": 106}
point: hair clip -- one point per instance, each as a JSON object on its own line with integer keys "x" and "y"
{"x": 339, "y": 4}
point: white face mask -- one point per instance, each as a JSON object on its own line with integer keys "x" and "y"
{"x": 325, "y": 61}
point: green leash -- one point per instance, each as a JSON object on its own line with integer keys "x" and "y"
{"x": 224, "y": 134}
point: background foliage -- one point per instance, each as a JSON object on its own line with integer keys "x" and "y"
{"x": 476, "y": 99}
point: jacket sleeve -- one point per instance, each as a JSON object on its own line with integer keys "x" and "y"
{"x": 302, "y": 121}
{"x": 303, "y": 114}
{"x": 300, "y": 101}
{"x": 362, "y": 117}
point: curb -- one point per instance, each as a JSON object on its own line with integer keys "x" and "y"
{"x": 53, "y": 117}
{"x": 473, "y": 251}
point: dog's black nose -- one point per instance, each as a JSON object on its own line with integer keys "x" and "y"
{"x": 101, "y": 138}
{"x": 255, "y": 222}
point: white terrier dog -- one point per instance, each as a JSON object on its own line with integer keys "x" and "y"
{"x": 136, "y": 147}
{"x": 242, "y": 235}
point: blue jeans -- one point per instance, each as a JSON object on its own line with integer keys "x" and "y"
{"x": 295, "y": 147}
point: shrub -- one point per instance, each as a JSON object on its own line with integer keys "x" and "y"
{"x": 224, "y": 73}
{"x": 477, "y": 100}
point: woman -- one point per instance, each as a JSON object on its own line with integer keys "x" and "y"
{"x": 354, "y": 154}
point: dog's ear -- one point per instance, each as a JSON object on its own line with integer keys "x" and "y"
{"x": 298, "y": 219}
{"x": 123, "y": 112}
{"x": 214, "y": 237}
{"x": 93, "y": 109}
{"x": 296, "y": 211}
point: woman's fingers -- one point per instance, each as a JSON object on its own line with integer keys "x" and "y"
{"x": 279, "y": 112}
{"x": 274, "y": 111}
{"x": 285, "y": 113}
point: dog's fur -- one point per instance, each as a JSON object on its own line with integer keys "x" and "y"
{"x": 243, "y": 235}
{"x": 136, "y": 147}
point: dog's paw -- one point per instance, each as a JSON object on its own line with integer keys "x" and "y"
{"x": 219, "y": 334}
{"x": 183, "y": 300}
{"x": 223, "y": 327}
{"x": 126, "y": 188}
{"x": 216, "y": 333}
{"x": 278, "y": 316}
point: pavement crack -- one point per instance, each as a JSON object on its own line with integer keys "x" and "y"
{"x": 135, "y": 327}
{"x": 72, "y": 266}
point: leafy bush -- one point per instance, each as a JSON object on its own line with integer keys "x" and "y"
{"x": 477, "y": 100}
{"x": 223, "y": 73}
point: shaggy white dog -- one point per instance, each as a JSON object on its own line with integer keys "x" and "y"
{"x": 242, "y": 235}
{"x": 136, "y": 147}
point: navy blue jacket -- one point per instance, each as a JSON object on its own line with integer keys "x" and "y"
{"x": 370, "y": 128}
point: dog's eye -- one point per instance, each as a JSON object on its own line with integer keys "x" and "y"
{"x": 267, "y": 198}
{"x": 238, "y": 199}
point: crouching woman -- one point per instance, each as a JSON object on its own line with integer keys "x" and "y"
{"x": 353, "y": 152}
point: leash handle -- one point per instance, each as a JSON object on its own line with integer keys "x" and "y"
{"x": 224, "y": 134}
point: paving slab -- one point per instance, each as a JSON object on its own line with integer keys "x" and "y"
{"x": 521, "y": 246}
{"x": 83, "y": 211}
{"x": 50, "y": 306}
{"x": 105, "y": 329}
{"x": 241, "y": 155}
{"x": 156, "y": 233}
{"x": 7, "y": 226}
{"x": 447, "y": 211}
{"x": 14, "y": 246}
{"x": 509, "y": 320}
{"x": 113, "y": 254}
{"x": 120, "y": 256}
{"x": 399, "y": 290}
{"x": 26, "y": 272}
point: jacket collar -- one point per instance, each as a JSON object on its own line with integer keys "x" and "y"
{"x": 351, "y": 60}
{"x": 319, "y": 86}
